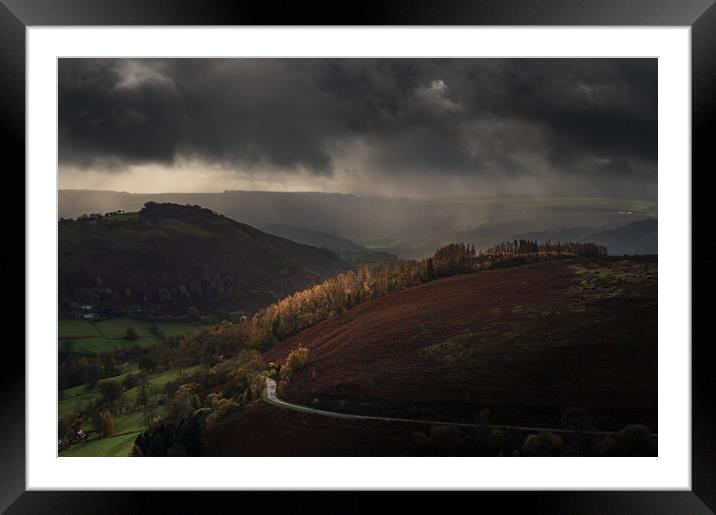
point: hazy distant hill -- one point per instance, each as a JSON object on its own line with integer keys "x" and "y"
{"x": 366, "y": 220}
{"x": 402, "y": 226}
{"x": 635, "y": 238}
{"x": 350, "y": 252}
{"x": 167, "y": 258}
{"x": 314, "y": 238}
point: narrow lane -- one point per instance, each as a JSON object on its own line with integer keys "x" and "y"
{"x": 270, "y": 396}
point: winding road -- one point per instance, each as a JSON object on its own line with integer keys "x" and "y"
{"x": 269, "y": 395}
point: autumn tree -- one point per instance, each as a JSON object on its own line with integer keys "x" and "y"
{"x": 307, "y": 307}
{"x": 106, "y": 424}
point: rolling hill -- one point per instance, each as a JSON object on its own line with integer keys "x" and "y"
{"x": 167, "y": 258}
{"x": 525, "y": 342}
{"x": 640, "y": 237}
{"x": 315, "y": 238}
{"x": 350, "y": 252}
{"x": 635, "y": 238}
{"x": 518, "y": 345}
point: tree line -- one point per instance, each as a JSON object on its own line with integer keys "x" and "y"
{"x": 305, "y": 308}
{"x": 308, "y": 307}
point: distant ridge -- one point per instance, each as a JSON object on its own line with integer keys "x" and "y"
{"x": 408, "y": 228}
{"x": 350, "y": 252}
{"x": 314, "y": 238}
{"x": 640, "y": 237}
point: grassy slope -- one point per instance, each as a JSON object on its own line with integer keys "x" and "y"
{"x": 116, "y": 446}
{"x": 127, "y": 425}
{"x": 108, "y": 335}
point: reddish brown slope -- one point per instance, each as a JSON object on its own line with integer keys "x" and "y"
{"x": 524, "y": 341}
{"x": 264, "y": 430}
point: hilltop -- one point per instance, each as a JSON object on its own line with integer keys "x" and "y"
{"x": 525, "y": 342}
{"x": 515, "y": 346}
{"x": 167, "y": 258}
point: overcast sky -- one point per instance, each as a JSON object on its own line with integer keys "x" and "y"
{"x": 408, "y": 127}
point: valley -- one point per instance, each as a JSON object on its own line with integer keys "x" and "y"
{"x": 373, "y": 256}
{"x": 445, "y": 355}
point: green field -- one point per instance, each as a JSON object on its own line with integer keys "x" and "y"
{"x": 81, "y": 336}
{"x": 68, "y": 406}
{"x": 115, "y": 446}
{"x": 75, "y": 398}
{"x": 127, "y": 425}
{"x": 129, "y": 422}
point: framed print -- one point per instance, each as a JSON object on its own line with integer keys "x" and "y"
{"x": 437, "y": 249}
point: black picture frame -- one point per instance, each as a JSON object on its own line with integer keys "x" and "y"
{"x": 17, "y": 15}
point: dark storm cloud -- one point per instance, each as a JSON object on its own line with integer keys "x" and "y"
{"x": 460, "y": 117}
{"x": 589, "y": 104}
{"x": 100, "y": 117}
